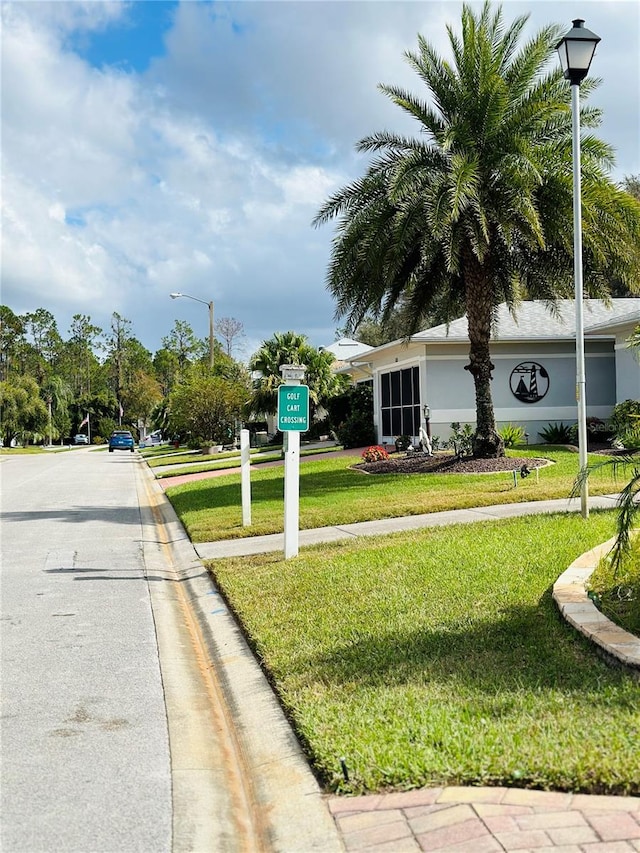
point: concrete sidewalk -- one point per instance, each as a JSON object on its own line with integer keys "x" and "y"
{"x": 462, "y": 819}
{"x": 275, "y": 541}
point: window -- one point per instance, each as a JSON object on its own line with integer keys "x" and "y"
{"x": 400, "y": 402}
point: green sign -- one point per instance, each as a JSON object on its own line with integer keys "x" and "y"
{"x": 293, "y": 408}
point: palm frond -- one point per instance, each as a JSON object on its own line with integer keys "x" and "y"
{"x": 628, "y": 504}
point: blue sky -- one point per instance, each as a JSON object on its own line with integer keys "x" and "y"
{"x": 151, "y": 147}
{"x": 131, "y": 42}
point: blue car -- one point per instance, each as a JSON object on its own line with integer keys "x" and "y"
{"x": 121, "y": 439}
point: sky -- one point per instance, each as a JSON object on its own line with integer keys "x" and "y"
{"x": 150, "y": 147}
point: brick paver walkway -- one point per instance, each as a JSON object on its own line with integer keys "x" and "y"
{"x": 483, "y": 820}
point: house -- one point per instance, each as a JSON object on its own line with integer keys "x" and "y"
{"x": 534, "y": 378}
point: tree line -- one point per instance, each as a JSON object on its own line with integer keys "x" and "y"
{"x": 95, "y": 381}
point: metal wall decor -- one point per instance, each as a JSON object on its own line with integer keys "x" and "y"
{"x": 529, "y": 381}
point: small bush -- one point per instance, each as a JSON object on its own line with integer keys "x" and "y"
{"x": 403, "y": 442}
{"x": 512, "y": 434}
{"x": 357, "y": 430}
{"x": 597, "y": 432}
{"x": 624, "y": 416}
{"x": 351, "y": 415}
{"x": 616, "y": 591}
{"x": 375, "y": 453}
{"x": 461, "y": 439}
{"x": 630, "y": 438}
{"x": 556, "y": 433}
{"x": 318, "y": 428}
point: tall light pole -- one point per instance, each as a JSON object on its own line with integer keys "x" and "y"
{"x": 576, "y": 51}
{"x": 49, "y": 402}
{"x": 210, "y": 305}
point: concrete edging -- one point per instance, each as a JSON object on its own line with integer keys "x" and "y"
{"x": 570, "y": 594}
{"x": 294, "y": 805}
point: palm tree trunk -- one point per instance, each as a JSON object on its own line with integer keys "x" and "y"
{"x": 487, "y": 444}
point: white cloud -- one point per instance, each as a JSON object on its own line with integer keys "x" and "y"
{"x": 204, "y": 173}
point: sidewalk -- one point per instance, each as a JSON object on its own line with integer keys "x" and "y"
{"x": 275, "y": 541}
{"x": 483, "y": 820}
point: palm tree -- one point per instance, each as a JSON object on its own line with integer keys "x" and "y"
{"x": 59, "y": 395}
{"x": 478, "y": 209}
{"x": 291, "y": 348}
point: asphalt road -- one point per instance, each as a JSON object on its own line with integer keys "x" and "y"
{"x": 84, "y": 751}
{"x": 134, "y": 715}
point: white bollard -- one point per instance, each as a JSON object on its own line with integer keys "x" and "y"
{"x": 291, "y": 494}
{"x": 245, "y": 463}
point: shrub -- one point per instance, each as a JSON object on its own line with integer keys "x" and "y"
{"x": 597, "y": 432}
{"x": 403, "y": 442}
{"x": 512, "y": 434}
{"x": 624, "y": 415}
{"x": 375, "y": 453}
{"x": 461, "y": 439}
{"x": 630, "y": 437}
{"x": 357, "y": 430}
{"x": 351, "y": 414}
{"x": 318, "y": 428}
{"x": 556, "y": 433}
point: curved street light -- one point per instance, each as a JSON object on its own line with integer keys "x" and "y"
{"x": 576, "y": 51}
{"x": 210, "y": 305}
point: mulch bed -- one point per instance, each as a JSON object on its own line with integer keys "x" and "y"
{"x": 446, "y": 463}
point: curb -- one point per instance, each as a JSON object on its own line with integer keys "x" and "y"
{"x": 290, "y": 798}
{"x": 570, "y": 594}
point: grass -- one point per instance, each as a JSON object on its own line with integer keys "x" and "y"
{"x": 617, "y": 593}
{"x": 331, "y": 492}
{"x": 224, "y": 461}
{"x": 438, "y": 657}
{"x": 31, "y": 449}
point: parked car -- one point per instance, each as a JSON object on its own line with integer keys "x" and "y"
{"x": 121, "y": 439}
{"x": 81, "y": 439}
{"x": 152, "y": 439}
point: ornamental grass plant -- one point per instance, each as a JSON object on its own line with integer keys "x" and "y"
{"x": 616, "y": 591}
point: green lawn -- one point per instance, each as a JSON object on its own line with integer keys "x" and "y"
{"x": 31, "y": 449}
{"x": 438, "y": 657}
{"x": 331, "y": 492}
{"x": 223, "y": 461}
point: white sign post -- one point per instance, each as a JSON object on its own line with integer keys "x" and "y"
{"x": 293, "y": 418}
{"x": 245, "y": 464}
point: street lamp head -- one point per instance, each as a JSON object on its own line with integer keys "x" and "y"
{"x": 576, "y": 51}
{"x": 175, "y": 295}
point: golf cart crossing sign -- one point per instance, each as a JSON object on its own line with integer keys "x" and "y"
{"x": 293, "y": 408}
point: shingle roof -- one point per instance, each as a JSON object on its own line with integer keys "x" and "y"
{"x": 536, "y": 321}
